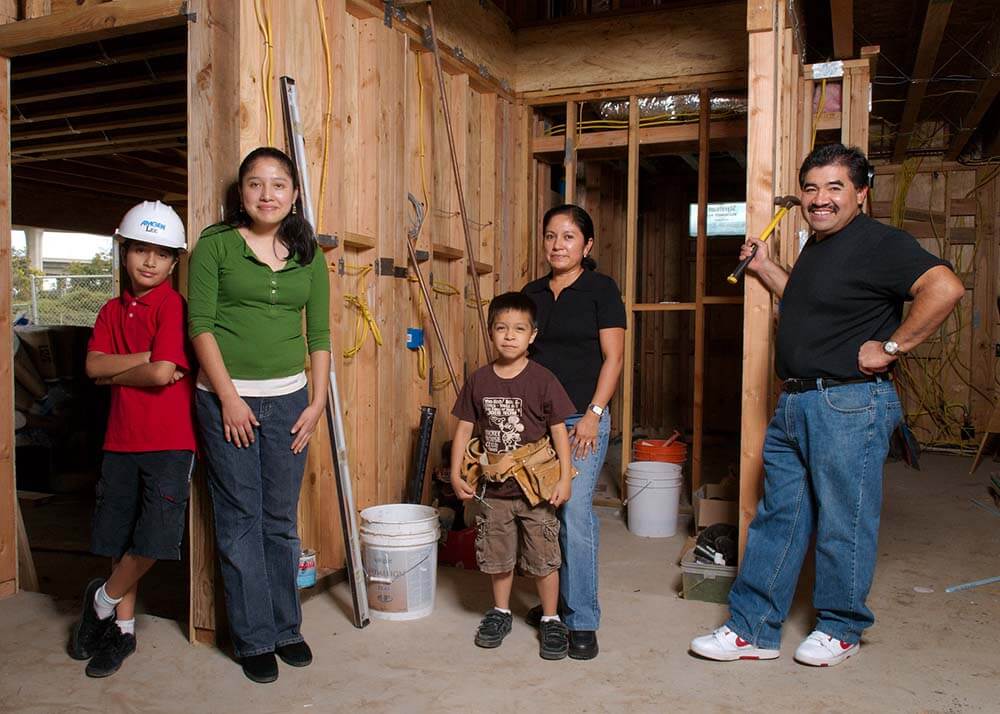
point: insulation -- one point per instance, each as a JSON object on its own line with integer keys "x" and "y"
{"x": 679, "y": 107}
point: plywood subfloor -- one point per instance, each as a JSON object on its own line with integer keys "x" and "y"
{"x": 930, "y": 652}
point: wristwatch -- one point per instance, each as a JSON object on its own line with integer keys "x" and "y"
{"x": 599, "y": 411}
{"x": 890, "y": 348}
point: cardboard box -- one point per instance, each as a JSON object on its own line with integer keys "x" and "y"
{"x": 57, "y": 351}
{"x": 716, "y": 503}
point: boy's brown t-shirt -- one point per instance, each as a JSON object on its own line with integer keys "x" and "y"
{"x": 509, "y": 413}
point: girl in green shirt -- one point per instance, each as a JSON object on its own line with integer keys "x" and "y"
{"x": 250, "y": 281}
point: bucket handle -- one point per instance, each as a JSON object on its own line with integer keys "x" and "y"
{"x": 629, "y": 498}
{"x": 390, "y": 581}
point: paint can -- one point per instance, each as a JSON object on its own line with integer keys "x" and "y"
{"x": 307, "y": 569}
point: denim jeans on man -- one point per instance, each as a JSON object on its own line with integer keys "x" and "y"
{"x": 255, "y": 496}
{"x": 823, "y": 457}
{"x": 579, "y": 536}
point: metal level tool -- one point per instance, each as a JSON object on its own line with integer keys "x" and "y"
{"x": 334, "y": 418}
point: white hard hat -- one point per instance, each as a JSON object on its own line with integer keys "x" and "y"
{"x": 153, "y": 222}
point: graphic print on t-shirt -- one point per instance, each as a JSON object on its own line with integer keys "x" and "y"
{"x": 505, "y": 413}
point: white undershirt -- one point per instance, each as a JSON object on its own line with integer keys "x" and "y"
{"x": 260, "y": 387}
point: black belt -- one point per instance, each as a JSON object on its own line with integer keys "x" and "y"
{"x": 795, "y": 386}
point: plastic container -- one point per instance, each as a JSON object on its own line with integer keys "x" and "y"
{"x": 705, "y": 581}
{"x": 659, "y": 450}
{"x": 399, "y": 553}
{"x": 653, "y": 491}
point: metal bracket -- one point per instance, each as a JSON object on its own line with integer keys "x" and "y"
{"x": 385, "y": 267}
{"x": 327, "y": 241}
{"x": 457, "y": 51}
{"x": 428, "y": 39}
{"x": 423, "y": 256}
{"x": 387, "y": 18}
{"x": 505, "y": 85}
{"x": 340, "y": 267}
{"x": 400, "y": 271}
{"x": 189, "y": 16}
{"x": 484, "y": 71}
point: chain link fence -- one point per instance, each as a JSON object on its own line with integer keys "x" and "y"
{"x": 69, "y": 299}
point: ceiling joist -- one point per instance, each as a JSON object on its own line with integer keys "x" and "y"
{"x": 67, "y": 128}
{"x": 49, "y": 114}
{"x": 100, "y": 60}
{"x": 44, "y": 95}
{"x": 115, "y": 148}
{"x": 842, "y": 20}
{"x": 935, "y": 22}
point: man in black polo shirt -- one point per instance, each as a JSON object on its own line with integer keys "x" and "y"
{"x": 839, "y": 333}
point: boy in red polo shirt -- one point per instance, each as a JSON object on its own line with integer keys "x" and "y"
{"x": 139, "y": 348}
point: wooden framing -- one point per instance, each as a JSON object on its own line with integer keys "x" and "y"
{"x": 386, "y": 139}
{"x": 930, "y": 41}
{"x": 8, "y": 493}
{"x": 574, "y": 146}
{"x": 780, "y": 132}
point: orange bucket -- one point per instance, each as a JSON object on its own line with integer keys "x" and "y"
{"x": 659, "y": 450}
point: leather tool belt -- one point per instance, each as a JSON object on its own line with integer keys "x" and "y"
{"x": 534, "y": 466}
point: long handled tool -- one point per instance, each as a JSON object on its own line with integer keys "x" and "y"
{"x": 784, "y": 203}
{"x": 411, "y": 246}
{"x": 334, "y": 418}
{"x": 471, "y": 264}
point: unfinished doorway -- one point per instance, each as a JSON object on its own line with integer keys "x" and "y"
{"x": 95, "y": 128}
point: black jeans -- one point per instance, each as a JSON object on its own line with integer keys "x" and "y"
{"x": 255, "y": 496}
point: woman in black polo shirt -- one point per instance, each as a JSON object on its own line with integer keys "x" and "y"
{"x": 581, "y": 339}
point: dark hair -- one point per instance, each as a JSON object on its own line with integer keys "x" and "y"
{"x": 581, "y": 219}
{"x": 128, "y": 242}
{"x": 829, "y": 154}
{"x": 511, "y": 301}
{"x": 295, "y": 233}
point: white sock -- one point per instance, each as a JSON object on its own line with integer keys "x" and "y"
{"x": 550, "y": 618}
{"x": 126, "y": 626}
{"x": 104, "y": 605}
{"x": 504, "y": 611}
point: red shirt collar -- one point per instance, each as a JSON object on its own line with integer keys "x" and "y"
{"x": 151, "y": 299}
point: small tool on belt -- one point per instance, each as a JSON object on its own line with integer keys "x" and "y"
{"x": 784, "y": 203}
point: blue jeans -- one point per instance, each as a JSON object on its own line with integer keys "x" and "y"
{"x": 823, "y": 456}
{"x": 255, "y": 496}
{"x": 579, "y": 536}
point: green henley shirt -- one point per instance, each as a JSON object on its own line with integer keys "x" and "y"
{"x": 255, "y": 313}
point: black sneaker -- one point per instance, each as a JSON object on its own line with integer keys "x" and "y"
{"x": 296, "y": 654}
{"x": 582, "y": 644}
{"x": 553, "y": 637}
{"x": 115, "y": 646}
{"x": 262, "y": 668}
{"x": 89, "y": 630}
{"x": 494, "y": 627}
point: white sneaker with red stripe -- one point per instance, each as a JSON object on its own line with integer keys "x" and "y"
{"x": 822, "y": 650}
{"x": 724, "y": 645}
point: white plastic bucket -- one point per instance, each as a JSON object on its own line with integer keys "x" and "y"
{"x": 399, "y": 553}
{"x": 653, "y": 492}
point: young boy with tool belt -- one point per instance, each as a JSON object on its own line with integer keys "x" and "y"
{"x": 139, "y": 348}
{"x": 514, "y": 471}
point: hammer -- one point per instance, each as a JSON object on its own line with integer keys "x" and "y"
{"x": 784, "y": 203}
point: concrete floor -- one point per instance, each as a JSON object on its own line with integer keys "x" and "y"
{"x": 928, "y": 652}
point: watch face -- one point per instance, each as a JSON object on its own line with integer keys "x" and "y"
{"x": 890, "y": 347}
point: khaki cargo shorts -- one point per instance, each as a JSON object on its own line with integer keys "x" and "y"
{"x": 514, "y": 531}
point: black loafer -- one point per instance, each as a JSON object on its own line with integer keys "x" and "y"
{"x": 296, "y": 654}
{"x": 89, "y": 629}
{"x": 582, "y": 644}
{"x": 114, "y": 648}
{"x": 262, "y": 668}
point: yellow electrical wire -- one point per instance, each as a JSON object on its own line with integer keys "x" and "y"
{"x": 365, "y": 322}
{"x": 264, "y": 23}
{"x": 328, "y": 117}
